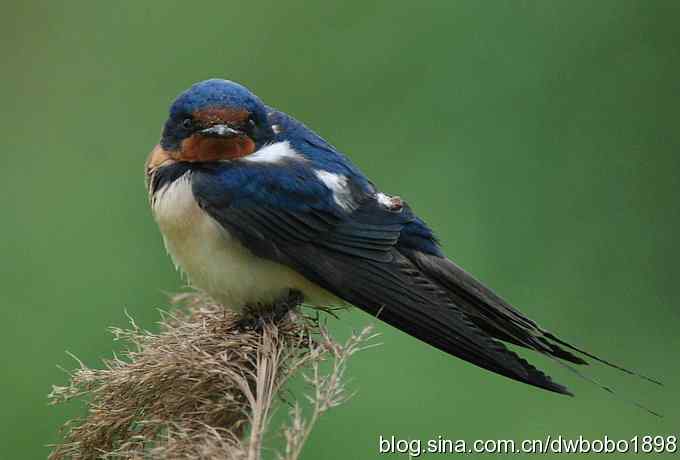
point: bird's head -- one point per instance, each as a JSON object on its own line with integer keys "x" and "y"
{"x": 215, "y": 120}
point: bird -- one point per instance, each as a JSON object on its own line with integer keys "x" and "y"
{"x": 253, "y": 205}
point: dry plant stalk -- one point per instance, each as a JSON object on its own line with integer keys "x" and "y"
{"x": 203, "y": 387}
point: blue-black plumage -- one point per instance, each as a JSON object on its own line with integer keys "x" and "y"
{"x": 253, "y": 204}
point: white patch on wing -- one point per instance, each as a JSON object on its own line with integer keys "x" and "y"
{"x": 337, "y": 183}
{"x": 384, "y": 200}
{"x": 216, "y": 262}
{"x": 393, "y": 203}
{"x": 274, "y": 153}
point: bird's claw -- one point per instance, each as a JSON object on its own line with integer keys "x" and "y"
{"x": 255, "y": 317}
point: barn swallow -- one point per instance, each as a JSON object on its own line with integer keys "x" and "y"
{"x": 253, "y": 205}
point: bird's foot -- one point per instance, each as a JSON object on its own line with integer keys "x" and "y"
{"x": 256, "y": 316}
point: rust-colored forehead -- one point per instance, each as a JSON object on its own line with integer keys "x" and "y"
{"x": 220, "y": 114}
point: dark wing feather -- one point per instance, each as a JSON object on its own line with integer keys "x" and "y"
{"x": 399, "y": 294}
{"x": 490, "y": 312}
{"x": 497, "y": 317}
{"x": 356, "y": 257}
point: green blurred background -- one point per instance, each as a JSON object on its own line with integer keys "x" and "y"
{"x": 540, "y": 139}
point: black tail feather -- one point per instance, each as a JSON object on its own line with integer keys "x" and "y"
{"x": 600, "y": 360}
{"x": 608, "y": 389}
{"x": 501, "y": 321}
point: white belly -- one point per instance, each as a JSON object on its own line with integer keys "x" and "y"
{"x": 216, "y": 262}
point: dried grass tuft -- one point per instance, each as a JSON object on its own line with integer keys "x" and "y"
{"x": 205, "y": 388}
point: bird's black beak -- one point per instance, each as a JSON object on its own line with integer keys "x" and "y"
{"x": 220, "y": 130}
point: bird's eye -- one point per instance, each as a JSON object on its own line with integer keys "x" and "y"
{"x": 187, "y": 123}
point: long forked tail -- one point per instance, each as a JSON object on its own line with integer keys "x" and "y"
{"x": 552, "y": 337}
{"x": 500, "y": 320}
{"x": 565, "y": 358}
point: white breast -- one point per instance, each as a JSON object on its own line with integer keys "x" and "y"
{"x": 216, "y": 262}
